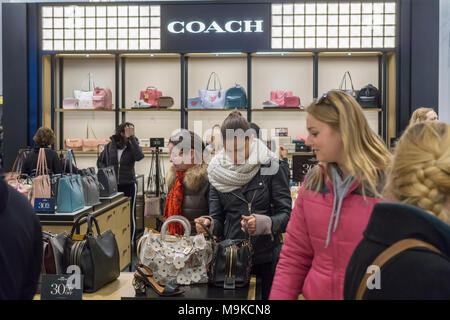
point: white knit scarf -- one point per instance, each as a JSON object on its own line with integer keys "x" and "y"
{"x": 225, "y": 176}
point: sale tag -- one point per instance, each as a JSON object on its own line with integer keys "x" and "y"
{"x": 61, "y": 287}
{"x": 44, "y": 205}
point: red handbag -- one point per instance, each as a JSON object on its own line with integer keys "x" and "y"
{"x": 293, "y": 102}
{"x": 151, "y": 95}
{"x": 279, "y": 96}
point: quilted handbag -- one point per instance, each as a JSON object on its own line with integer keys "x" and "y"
{"x": 236, "y": 97}
{"x": 91, "y": 187}
{"x": 97, "y": 256}
{"x": 213, "y": 99}
{"x": 279, "y": 96}
{"x": 41, "y": 183}
{"x": 195, "y": 103}
{"x": 175, "y": 259}
{"x": 71, "y": 103}
{"x": 70, "y": 191}
{"x": 343, "y": 85}
{"x": 102, "y": 98}
{"x": 151, "y": 95}
{"x": 85, "y": 96}
{"x": 91, "y": 144}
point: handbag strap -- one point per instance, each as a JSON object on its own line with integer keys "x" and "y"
{"x": 216, "y": 79}
{"x": 91, "y": 80}
{"x": 344, "y": 80}
{"x": 68, "y": 156}
{"x": 41, "y": 167}
{"x": 92, "y": 130}
{"x": 91, "y": 218}
{"x": 388, "y": 254}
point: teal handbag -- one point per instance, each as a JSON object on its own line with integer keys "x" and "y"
{"x": 70, "y": 190}
{"x": 236, "y": 97}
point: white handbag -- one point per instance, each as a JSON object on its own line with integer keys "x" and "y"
{"x": 85, "y": 97}
{"x": 213, "y": 99}
{"x": 175, "y": 259}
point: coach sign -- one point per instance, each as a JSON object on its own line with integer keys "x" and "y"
{"x": 215, "y": 27}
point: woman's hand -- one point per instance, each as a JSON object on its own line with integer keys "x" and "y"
{"x": 282, "y": 152}
{"x": 199, "y": 228}
{"x": 251, "y": 224}
{"x": 129, "y": 131}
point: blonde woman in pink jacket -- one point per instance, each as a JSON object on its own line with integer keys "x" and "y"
{"x": 334, "y": 203}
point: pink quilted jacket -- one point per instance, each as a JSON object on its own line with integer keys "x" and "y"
{"x": 306, "y": 266}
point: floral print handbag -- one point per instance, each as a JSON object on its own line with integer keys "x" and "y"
{"x": 175, "y": 259}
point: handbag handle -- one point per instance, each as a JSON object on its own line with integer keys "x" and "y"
{"x": 213, "y": 237}
{"x": 91, "y": 80}
{"x": 216, "y": 78}
{"x": 184, "y": 222}
{"x": 87, "y": 131}
{"x": 77, "y": 223}
{"x": 91, "y": 218}
{"x": 151, "y": 87}
{"x": 68, "y": 155}
{"x": 41, "y": 167}
{"x": 344, "y": 79}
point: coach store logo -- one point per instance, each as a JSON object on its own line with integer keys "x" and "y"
{"x": 233, "y": 26}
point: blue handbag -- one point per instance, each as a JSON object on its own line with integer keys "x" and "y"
{"x": 195, "y": 103}
{"x": 236, "y": 97}
{"x": 70, "y": 190}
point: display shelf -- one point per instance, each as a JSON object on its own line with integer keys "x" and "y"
{"x": 351, "y": 54}
{"x": 278, "y": 110}
{"x": 84, "y": 110}
{"x": 85, "y": 55}
{"x": 217, "y": 110}
{"x": 150, "y": 55}
{"x": 217, "y": 54}
{"x": 282, "y": 54}
{"x": 151, "y": 110}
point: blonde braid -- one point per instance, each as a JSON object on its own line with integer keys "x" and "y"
{"x": 420, "y": 172}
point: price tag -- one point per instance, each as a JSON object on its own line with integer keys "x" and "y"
{"x": 44, "y": 205}
{"x": 301, "y": 164}
{"x": 57, "y": 287}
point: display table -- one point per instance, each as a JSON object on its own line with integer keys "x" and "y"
{"x": 122, "y": 289}
{"x": 112, "y": 213}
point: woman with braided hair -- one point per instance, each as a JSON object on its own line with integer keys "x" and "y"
{"x": 418, "y": 184}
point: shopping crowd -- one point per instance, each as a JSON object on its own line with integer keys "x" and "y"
{"x": 360, "y": 207}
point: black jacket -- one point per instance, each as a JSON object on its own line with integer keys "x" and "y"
{"x": 20, "y": 246}
{"x": 417, "y": 273}
{"x": 125, "y": 169}
{"x": 272, "y": 198}
{"x": 53, "y": 161}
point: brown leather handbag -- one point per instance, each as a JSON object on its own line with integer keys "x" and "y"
{"x": 388, "y": 254}
{"x": 165, "y": 102}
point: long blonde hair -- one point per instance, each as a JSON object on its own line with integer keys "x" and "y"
{"x": 419, "y": 115}
{"x": 419, "y": 174}
{"x": 365, "y": 154}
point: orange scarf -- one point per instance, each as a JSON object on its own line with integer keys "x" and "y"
{"x": 174, "y": 203}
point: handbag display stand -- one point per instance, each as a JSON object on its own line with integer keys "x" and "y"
{"x": 157, "y": 181}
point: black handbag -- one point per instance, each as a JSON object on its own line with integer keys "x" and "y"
{"x": 91, "y": 186}
{"x": 107, "y": 179}
{"x": 97, "y": 256}
{"x": 231, "y": 264}
{"x": 368, "y": 97}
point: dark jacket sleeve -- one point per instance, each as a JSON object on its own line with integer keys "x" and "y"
{"x": 281, "y": 199}
{"x": 136, "y": 150}
{"x": 215, "y": 211}
{"x": 35, "y": 262}
{"x": 26, "y": 167}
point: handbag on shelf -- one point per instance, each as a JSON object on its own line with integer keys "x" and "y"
{"x": 97, "y": 256}
{"x": 85, "y": 96}
{"x": 175, "y": 259}
{"x": 91, "y": 187}
{"x": 278, "y": 97}
{"x": 71, "y": 103}
{"x": 41, "y": 183}
{"x": 291, "y": 102}
{"x": 368, "y": 97}
{"x": 107, "y": 178}
{"x": 65, "y": 162}
{"x": 73, "y": 144}
{"x": 154, "y": 200}
{"x": 165, "y": 102}
{"x": 102, "y": 98}
{"x": 236, "y": 98}
{"x": 91, "y": 144}
{"x": 343, "y": 85}
{"x": 194, "y": 103}
{"x": 213, "y": 98}
{"x": 232, "y": 261}
{"x": 151, "y": 95}
{"x": 70, "y": 196}
{"x": 52, "y": 258}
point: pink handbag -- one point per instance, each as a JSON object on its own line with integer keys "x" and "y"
{"x": 71, "y": 103}
{"x": 90, "y": 144}
{"x": 74, "y": 144}
{"x": 279, "y": 96}
{"x": 102, "y": 98}
{"x": 41, "y": 184}
{"x": 292, "y": 102}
